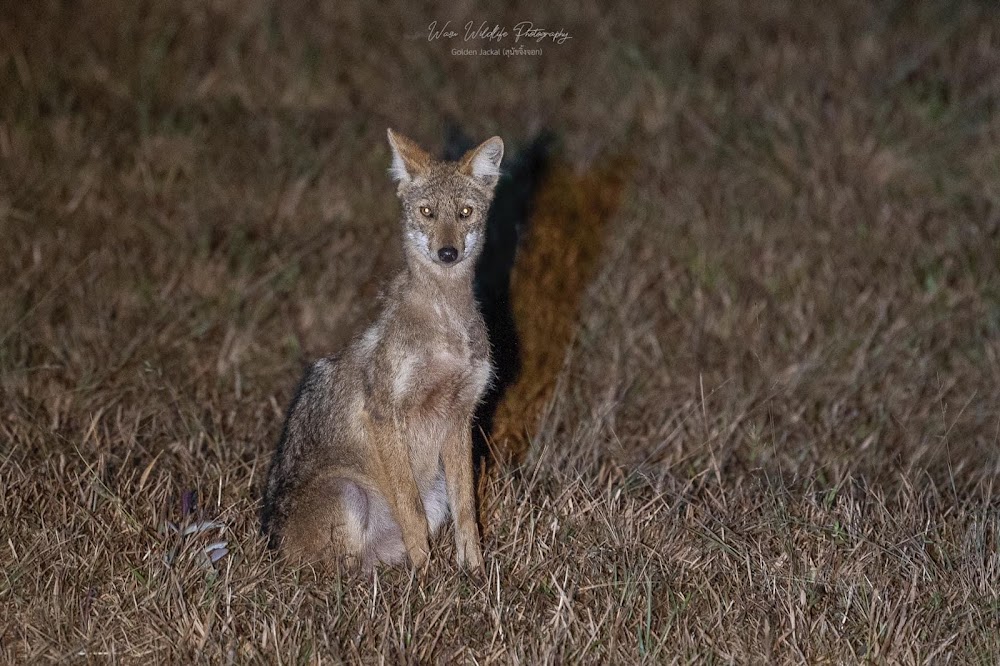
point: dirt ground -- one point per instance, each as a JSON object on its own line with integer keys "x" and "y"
{"x": 758, "y": 417}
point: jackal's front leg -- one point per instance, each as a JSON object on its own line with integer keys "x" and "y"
{"x": 457, "y": 457}
{"x": 399, "y": 487}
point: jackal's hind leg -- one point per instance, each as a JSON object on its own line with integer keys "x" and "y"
{"x": 328, "y": 519}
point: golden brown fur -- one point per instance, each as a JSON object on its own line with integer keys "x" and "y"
{"x": 376, "y": 448}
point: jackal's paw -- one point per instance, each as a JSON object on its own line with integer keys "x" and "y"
{"x": 418, "y": 557}
{"x": 468, "y": 554}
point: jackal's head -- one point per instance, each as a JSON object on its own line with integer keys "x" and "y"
{"x": 445, "y": 203}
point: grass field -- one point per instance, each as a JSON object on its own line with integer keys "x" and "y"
{"x": 759, "y": 306}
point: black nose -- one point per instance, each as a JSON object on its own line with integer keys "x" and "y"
{"x": 448, "y": 254}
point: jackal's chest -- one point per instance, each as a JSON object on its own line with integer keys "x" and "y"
{"x": 447, "y": 375}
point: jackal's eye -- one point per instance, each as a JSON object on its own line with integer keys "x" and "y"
{"x": 426, "y": 211}
{"x": 465, "y": 212}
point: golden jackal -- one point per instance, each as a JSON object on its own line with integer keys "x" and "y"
{"x": 376, "y": 448}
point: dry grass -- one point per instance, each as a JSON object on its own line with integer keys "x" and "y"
{"x": 773, "y": 435}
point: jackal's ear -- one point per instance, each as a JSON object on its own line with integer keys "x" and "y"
{"x": 408, "y": 159}
{"x": 483, "y": 162}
